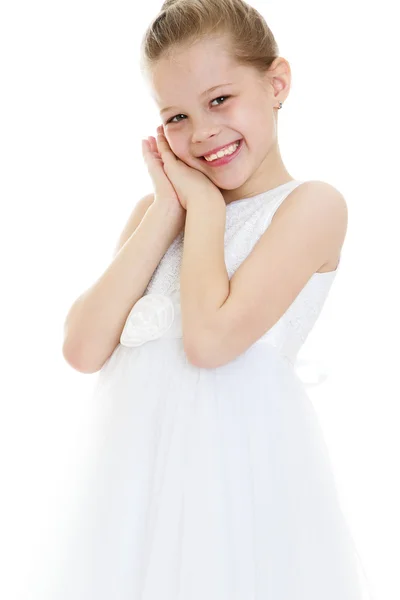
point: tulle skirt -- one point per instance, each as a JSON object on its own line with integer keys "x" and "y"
{"x": 207, "y": 484}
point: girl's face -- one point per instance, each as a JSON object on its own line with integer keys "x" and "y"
{"x": 197, "y": 120}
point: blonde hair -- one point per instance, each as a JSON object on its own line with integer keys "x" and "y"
{"x": 181, "y": 23}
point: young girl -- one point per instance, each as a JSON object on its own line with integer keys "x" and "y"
{"x": 212, "y": 478}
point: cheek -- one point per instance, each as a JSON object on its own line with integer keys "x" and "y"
{"x": 176, "y": 146}
{"x": 181, "y": 150}
{"x": 258, "y": 127}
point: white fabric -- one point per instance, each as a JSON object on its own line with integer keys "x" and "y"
{"x": 210, "y": 483}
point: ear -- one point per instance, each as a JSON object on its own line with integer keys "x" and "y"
{"x": 278, "y": 79}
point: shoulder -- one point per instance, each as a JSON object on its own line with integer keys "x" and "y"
{"x": 318, "y": 211}
{"x": 316, "y": 201}
{"x": 316, "y": 194}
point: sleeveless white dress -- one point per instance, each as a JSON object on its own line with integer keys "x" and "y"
{"x": 210, "y": 484}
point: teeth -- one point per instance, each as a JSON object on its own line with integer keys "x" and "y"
{"x": 224, "y": 152}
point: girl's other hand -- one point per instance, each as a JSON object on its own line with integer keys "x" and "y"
{"x": 164, "y": 192}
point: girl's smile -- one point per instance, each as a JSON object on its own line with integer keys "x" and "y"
{"x": 219, "y": 162}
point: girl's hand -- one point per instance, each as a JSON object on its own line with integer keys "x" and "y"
{"x": 164, "y": 192}
{"x": 188, "y": 182}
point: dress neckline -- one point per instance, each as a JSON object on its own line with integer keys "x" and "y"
{"x": 267, "y": 192}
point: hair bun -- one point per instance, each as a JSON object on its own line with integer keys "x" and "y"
{"x": 246, "y": 35}
{"x": 168, "y": 3}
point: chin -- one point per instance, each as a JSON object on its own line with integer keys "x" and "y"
{"x": 231, "y": 183}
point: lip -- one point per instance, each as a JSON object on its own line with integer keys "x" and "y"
{"x": 215, "y": 150}
{"x": 224, "y": 159}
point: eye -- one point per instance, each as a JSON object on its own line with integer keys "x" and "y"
{"x": 171, "y": 120}
{"x": 219, "y": 98}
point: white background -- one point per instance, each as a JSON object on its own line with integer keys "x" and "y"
{"x": 73, "y": 111}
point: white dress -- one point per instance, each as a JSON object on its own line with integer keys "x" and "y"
{"x": 210, "y": 484}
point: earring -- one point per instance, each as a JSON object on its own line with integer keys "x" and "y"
{"x": 280, "y": 105}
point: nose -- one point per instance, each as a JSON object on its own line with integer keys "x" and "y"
{"x": 200, "y": 139}
{"x": 203, "y": 133}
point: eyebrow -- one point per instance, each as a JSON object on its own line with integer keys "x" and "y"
{"x": 201, "y": 95}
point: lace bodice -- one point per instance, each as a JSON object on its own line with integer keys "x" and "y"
{"x": 157, "y": 313}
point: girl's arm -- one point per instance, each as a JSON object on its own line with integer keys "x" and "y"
{"x": 96, "y": 319}
{"x": 204, "y": 279}
{"x": 134, "y": 220}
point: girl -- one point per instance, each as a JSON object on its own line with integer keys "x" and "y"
{"x": 212, "y": 479}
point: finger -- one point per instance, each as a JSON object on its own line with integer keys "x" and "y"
{"x": 167, "y": 156}
{"x": 154, "y": 163}
{"x": 162, "y": 143}
{"x": 153, "y": 143}
{"x": 154, "y": 147}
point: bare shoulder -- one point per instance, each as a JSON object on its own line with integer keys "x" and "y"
{"x": 327, "y": 204}
{"x": 318, "y": 193}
